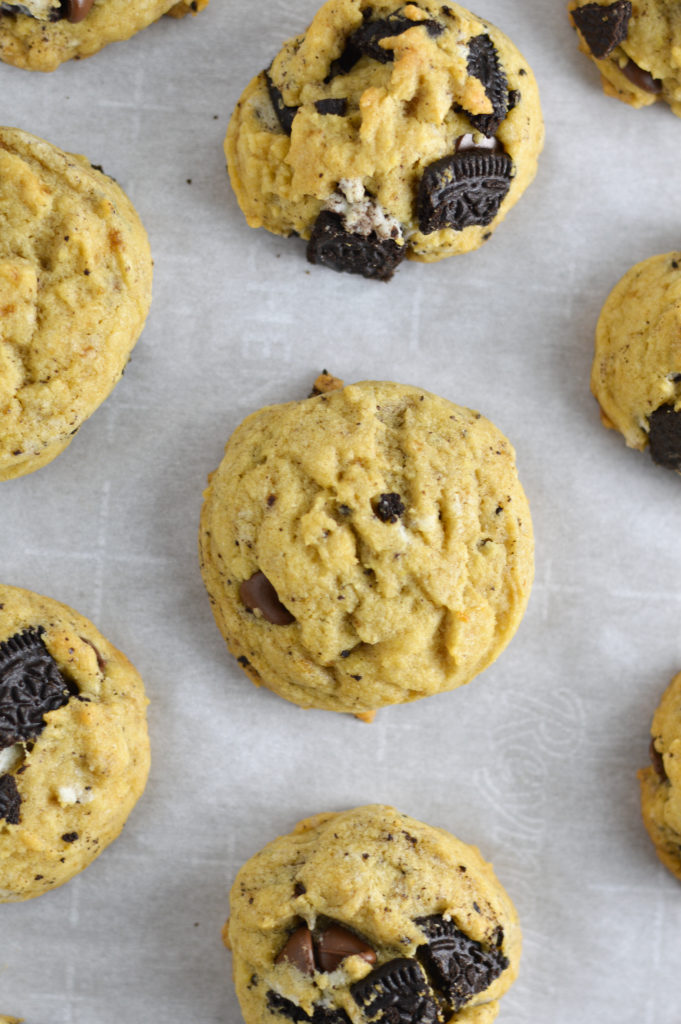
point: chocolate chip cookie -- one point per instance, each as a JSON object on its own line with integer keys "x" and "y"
{"x": 636, "y": 373}
{"x": 75, "y": 288}
{"x": 42, "y": 34}
{"x": 74, "y": 752}
{"x": 370, "y": 916}
{"x": 636, "y": 45}
{"x": 661, "y": 780}
{"x": 387, "y": 130}
{"x": 366, "y": 546}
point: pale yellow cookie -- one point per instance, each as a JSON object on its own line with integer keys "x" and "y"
{"x": 636, "y": 373}
{"x": 366, "y": 546}
{"x": 74, "y": 752}
{"x": 75, "y": 289}
{"x": 369, "y": 915}
{"x": 661, "y": 781}
{"x": 42, "y": 34}
{"x": 387, "y": 130}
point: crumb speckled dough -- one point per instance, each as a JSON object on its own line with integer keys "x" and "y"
{"x": 370, "y": 916}
{"x": 661, "y": 781}
{"x": 40, "y": 44}
{"x": 393, "y": 528}
{"x": 353, "y": 157}
{"x": 636, "y": 45}
{"x": 75, "y": 289}
{"x": 69, "y": 776}
{"x": 636, "y": 373}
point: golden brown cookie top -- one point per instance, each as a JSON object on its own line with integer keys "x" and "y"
{"x": 661, "y": 780}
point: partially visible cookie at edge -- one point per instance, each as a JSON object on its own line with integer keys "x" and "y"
{"x": 39, "y": 35}
{"x": 661, "y": 780}
{"x": 75, "y": 290}
{"x": 74, "y": 750}
{"x": 636, "y": 372}
{"x": 366, "y": 546}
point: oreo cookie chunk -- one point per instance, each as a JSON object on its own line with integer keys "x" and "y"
{"x": 74, "y": 753}
{"x": 636, "y": 372}
{"x": 357, "y": 122}
{"x": 382, "y": 962}
{"x": 661, "y": 780}
{"x": 634, "y": 48}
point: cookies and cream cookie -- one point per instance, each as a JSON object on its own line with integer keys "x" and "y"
{"x": 42, "y": 34}
{"x": 661, "y": 780}
{"x": 75, "y": 289}
{"x": 636, "y": 46}
{"x": 387, "y": 130}
{"x": 74, "y": 751}
{"x": 636, "y": 373}
{"x": 366, "y": 546}
{"x": 369, "y": 916}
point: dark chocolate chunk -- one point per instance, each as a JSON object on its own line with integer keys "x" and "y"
{"x": 397, "y": 992}
{"x": 657, "y": 762}
{"x": 483, "y": 63}
{"x": 332, "y": 106}
{"x": 30, "y": 686}
{"x": 665, "y": 437}
{"x": 284, "y": 114}
{"x": 603, "y": 28}
{"x": 299, "y": 951}
{"x": 457, "y": 965}
{"x": 335, "y": 943}
{"x": 10, "y": 801}
{"x": 258, "y": 592}
{"x": 75, "y": 10}
{"x": 320, "y": 1015}
{"x": 332, "y": 246}
{"x": 463, "y": 189}
{"x": 641, "y": 79}
{"x": 389, "y": 508}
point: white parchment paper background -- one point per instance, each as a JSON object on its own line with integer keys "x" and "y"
{"x": 535, "y": 761}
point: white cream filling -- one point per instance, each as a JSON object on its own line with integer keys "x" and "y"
{"x": 360, "y": 213}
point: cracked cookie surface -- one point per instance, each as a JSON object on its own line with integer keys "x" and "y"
{"x": 74, "y": 751}
{"x": 367, "y": 546}
{"x": 661, "y": 780}
{"x": 338, "y": 140}
{"x": 75, "y": 289}
{"x": 369, "y": 915}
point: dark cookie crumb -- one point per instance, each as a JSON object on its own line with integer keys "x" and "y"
{"x": 285, "y": 115}
{"x": 657, "y": 762}
{"x": 69, "y": 837}
{"x": 10, "y": 801}
{"x": 332, "y": 106}
{"x": 665, "y": 437}
{"x": 458, "y": 966}
{"x": 603, "y": 27}
{"x": 463, "y": 189}
{"x": 332, "y": 246}
{"x": 389, "y": 508}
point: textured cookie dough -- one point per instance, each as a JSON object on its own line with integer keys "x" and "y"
{"x": 369, "y": 916}
{"x": 42, "y": 34}
{"x": 10, "y": 1020}
{"x": 75, "y": 289}
{"x": 74, "y": 751}
{"x": 661, "y": 781}
{"x": 636, "y": 45}
{"x": 636, "y": 373}
{"x": 387, "y": 130}
{"x": 366, "y": 546}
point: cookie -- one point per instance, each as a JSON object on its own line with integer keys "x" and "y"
{"x": 74, "y": 752}
{"x": 385, "y": 131}
{"x": 369, "y": 916}
{"x": 635, "y": 44}
{"x": 75, "y": 288}
{"x": 10, "y": 1020}
{"x": 41, "y": 34}
{"x": 636, "y": 373}
{"x": 661, "y": 780}
{"x": 366, "y": 546}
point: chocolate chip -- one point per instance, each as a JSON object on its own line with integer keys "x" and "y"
{"x": 331, "y": 106}
{"x": 75, "y": 10}
{"x": 603, "y": 28}
{"x": 389, "y": 508}
{"x": 397, "y": 992}
{"x": 101, "y": 663}
{"x": 657, "y": 762}
{"x": 320, "y": 1014}
{"x": 30, "y": 686}
{"x": 258, "y": 592}
{"x": 299, "y": 951}
{"x": 10, "y": 801}
{"x": 336, "y": 943}
{"x": 284, "y": 114}
{"x": 332, "y": 246}
{"x": 483, "y": 64}
{"x": 463, "y": 189}
{"x": 457, "y": 965}
{"x": 641, "y": 79}
{"x": 665, "y": 437}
